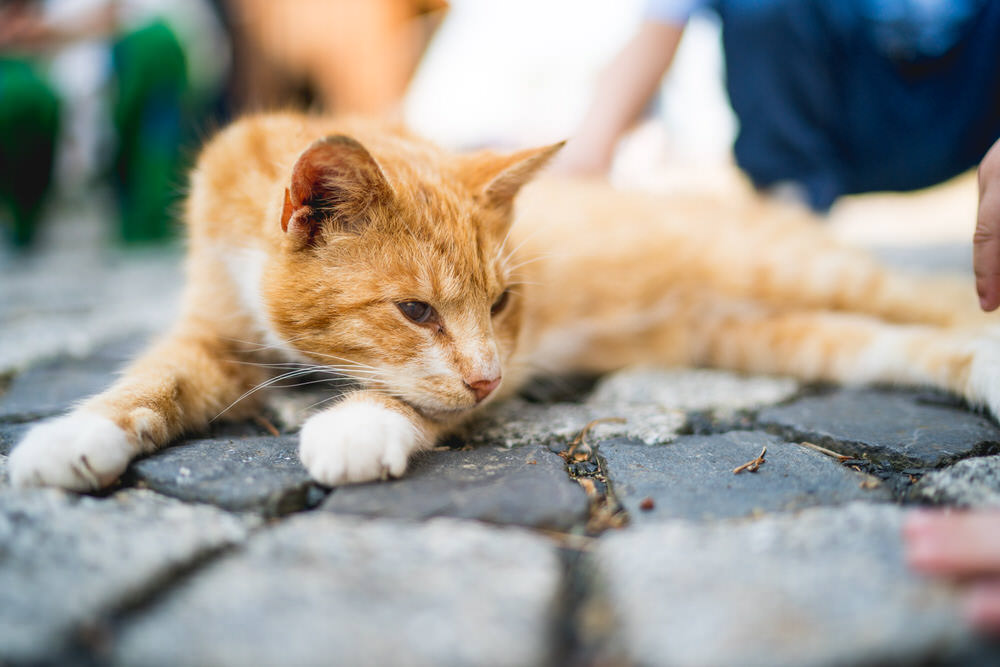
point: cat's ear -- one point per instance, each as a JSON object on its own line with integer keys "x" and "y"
{"x": 335, "y": 181}
{"x": 498, "y": 178}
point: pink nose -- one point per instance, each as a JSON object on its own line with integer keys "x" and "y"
{"x": 483, "y": 388}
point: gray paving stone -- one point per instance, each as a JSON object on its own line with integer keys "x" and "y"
{"x": 691, "y": 389}
{"x": 525, "y": 486}
{"x": 324, "y": 590}
{"x": 72, "y": 302}
{"x": 973, "y": 482}
{"x": 260, "y": 474}
{"x": 517, "y": 422}
{"x": 10, "y": 435}
{"x": 65, "y": 561}
{"x": 53, "y": 388}
{"x": 692, "y": 477}
{"x": 893, "y": 427}
{"x": 822, "y": 588}
{"x": 930, "y": 258}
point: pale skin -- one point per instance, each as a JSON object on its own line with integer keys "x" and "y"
{"x": 966, "y": 545}
{"x": 623, "y": 91}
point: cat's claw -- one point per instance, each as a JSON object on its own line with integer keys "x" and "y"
{"x": 78, "y": 452}
{"x": 357, "y": 441}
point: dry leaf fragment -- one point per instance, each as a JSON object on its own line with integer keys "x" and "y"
{"x": 753, "y": 465}
{"x": 823, "y": 450}
{"x": 579, "y": 449}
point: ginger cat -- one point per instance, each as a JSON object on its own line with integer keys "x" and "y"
{"x": 349, "y": 248}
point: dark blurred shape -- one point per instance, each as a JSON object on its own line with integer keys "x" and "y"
{"x": 149, "y": 118}
{"x": 851, "y": 97}
{"x": 29, "y": 124}
{"x": 166, "y": 85}
{"x": 153, "y": 104}
{"x": 832, "y": 97}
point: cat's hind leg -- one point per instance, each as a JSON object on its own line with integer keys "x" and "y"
{"x": 177, "y": 386}
{"x": 858, "y": 349}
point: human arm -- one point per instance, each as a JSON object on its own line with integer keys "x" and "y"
{"x": 986, "y": 240}
{"x": 623, "y": 91}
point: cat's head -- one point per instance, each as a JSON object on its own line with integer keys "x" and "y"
{"x": 397, "y": 271}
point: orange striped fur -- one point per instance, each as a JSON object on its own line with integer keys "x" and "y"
{"x": 306, "y": 233}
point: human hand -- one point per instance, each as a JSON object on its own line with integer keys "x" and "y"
{"x": 960, "y": 545}
{"x": 986, "y": 240}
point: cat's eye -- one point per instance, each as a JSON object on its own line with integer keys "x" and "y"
{"x": 418, "y": 312}
{"x": 500, "y": 303}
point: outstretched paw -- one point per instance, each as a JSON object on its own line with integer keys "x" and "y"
{"x": 78, "y": 452}
{"x": 357, "y": 441}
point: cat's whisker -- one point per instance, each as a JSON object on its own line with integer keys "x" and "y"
{"x": 321, "y": 402}
{"x": 264, "y": 346}
{"x": 320, "y": 381}
{"x": 259, "y": 386}
{"x": 349, "y": 361}
{"x": 520, "y": 245}
{"x": 503, "y": 244}
{"x": 532, "y": 260}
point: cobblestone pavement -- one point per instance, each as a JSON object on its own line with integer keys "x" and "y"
{"x": 510, "y": 545}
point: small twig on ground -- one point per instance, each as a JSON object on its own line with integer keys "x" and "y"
{"x": 829, "y": 452}
{"x": 579, "y": 449}
{"x": 266, "y": 425}
{"x": 753, "y": 465}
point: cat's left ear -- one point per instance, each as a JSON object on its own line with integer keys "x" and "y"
{"x": 335, "y": 183}
{"x": 499, "y": 178}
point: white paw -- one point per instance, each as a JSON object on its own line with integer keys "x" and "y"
{"x": 79, "y": 452}
{"x": 357, "y": 441}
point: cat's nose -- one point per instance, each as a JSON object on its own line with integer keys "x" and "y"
{"x": 483, "y": 388}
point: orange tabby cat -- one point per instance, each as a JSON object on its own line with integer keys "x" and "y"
{"x": 360, "y": 249}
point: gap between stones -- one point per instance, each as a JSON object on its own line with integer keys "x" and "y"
{"x": 587, "y": 468}
{"x": 92, "y": 643}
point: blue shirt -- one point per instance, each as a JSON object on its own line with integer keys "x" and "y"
{"x": 902, "y": 28}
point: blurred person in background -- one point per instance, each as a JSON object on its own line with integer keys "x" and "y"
{"x": 343, "y": 56}
{"x": 832, "y": 98}
{"x": 80, "y": 79}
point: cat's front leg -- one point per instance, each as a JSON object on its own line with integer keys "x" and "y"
{"x": 176, "y": 387}
{"x": 364, "y": 437}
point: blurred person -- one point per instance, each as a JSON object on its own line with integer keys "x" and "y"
{"x": 157, "y": 63}
{"x": 832, "y": 98}
{"x": 346, "y": 56}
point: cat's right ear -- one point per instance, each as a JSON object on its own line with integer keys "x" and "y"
{"x": 335, "y": 184}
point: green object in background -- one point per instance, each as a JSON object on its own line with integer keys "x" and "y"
{"x": 149, "y": 114}
{"x": 29, "y": 127}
